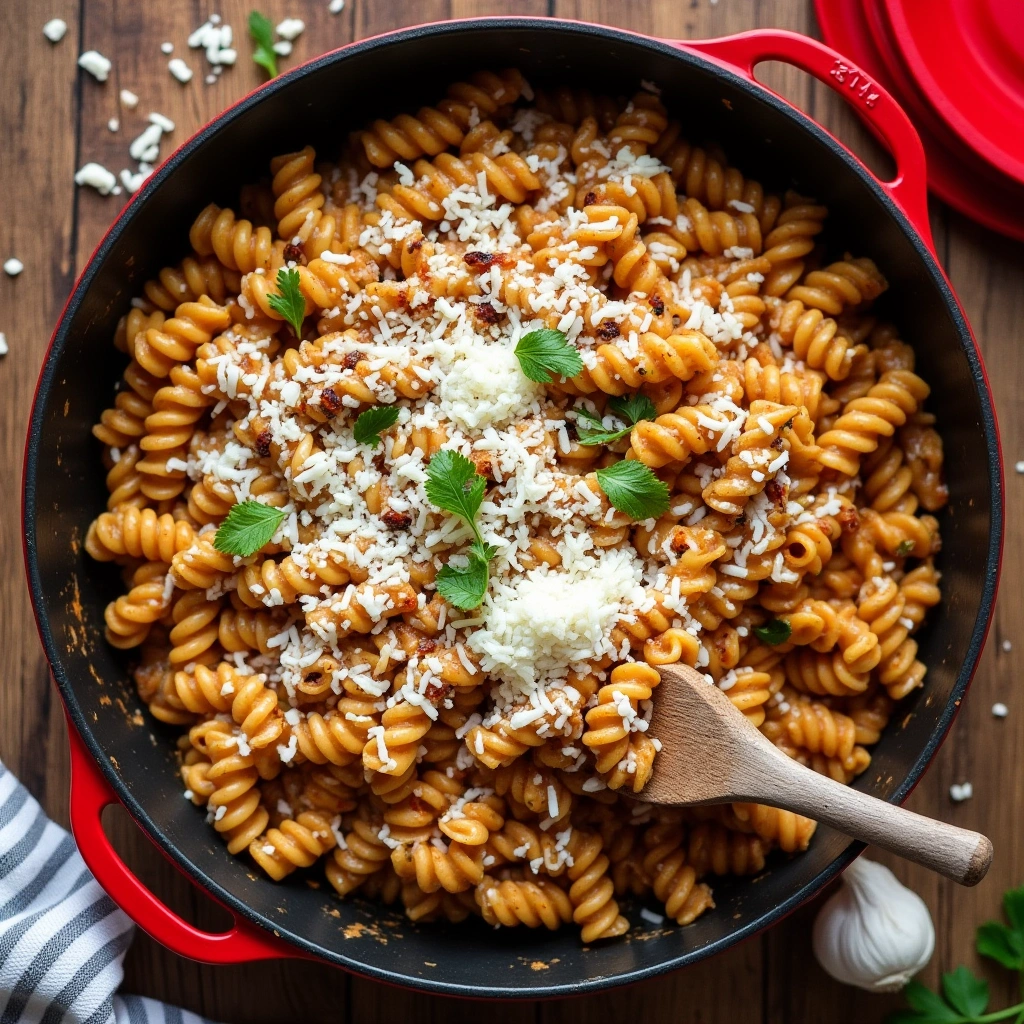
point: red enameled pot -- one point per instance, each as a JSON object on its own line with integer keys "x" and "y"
{"x": 710, "y": 86}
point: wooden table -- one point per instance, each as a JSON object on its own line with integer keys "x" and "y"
{"x": 54, "y": 119}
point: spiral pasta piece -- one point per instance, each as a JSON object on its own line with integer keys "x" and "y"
{"x": 673, "y": 880}
{"x": 538, "y": 903}
{"x": 131, "y": 532}
{"x": 294, "y": 844}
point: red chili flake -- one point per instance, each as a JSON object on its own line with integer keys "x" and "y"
{"x": 849, "y": 519}
{"x": 414, "y": 244}
{"x": 426, "y": 646}
{"x": 609, "y": 329}
{"x": 293, "y": 254}
{"x": 478, "y": 259}
{"x": 657, "y": 304}
{"x": 486, "y": 313}
{"x": 263, "y": 439}
{"x": 330, "y": 401}
{"x": 396, "y": 520}
{"x": 590, "y": 198}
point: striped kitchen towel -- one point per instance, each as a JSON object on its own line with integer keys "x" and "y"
{"x": 62, "y": 938}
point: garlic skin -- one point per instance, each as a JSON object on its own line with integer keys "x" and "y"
{"x": 874, "y": 933}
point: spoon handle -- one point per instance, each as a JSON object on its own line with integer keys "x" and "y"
{"x": 957, "y": 853}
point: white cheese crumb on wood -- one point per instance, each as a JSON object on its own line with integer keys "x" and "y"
{"x": 129, "y": 99}
{"x": 98, "y": 177}
{"x": 96, "y": 64}
{"x": 55, "y": 29}
{"x": 181, "y": 71}
{"x": 291, "y": 28}
{"x": 1000, "y": 710}
{"x": 13, "y": 267}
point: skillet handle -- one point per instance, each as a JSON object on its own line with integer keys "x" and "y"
{"x": 90, "y": 793}
{"x": 877, "y": 108}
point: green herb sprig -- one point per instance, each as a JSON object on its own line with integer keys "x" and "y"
{"x": 454, "y": 486}
{"x": 632, "y": 488}
{"x": 964, "y": 996}
{"x": 261, "y": 30}
{"x": 904, "y": 548}
{"x": 289, "y": 300}
{"x": 373, "y": 422}
{"x": 776, "y": 631}
{"x": 248, "y": 527}
{"x": 546, "y": 354}
{"x": 632, "y": 409}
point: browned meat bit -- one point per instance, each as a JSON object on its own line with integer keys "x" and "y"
{"x": 293, "y": 254}
{"x": 775, "y": 491}
{"x": 482, "y": 260}
{"x": 350, "y": 360}
{"x": 396, "y": 520}
{"x": 486, "y": 313}
{"x": 848, "y": 518}
{"x": 657, "y": 304}
{"x": 426, "y": 646}
{"x": 484, "y": 466}
{"x": 263, "y": 439}
{"x": 680, "y": 541}
{"x": 436, "y": 694}
{"x": 378, "y": 462}
{"x": 311, "y": 677}
{"x": 330, "y": 401}
{"x": 609, "y": 329}
{"x": 414, "y": 244}
{"x": 589, "y": 199}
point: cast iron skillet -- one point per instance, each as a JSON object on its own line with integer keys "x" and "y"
{"x": 710, "y": 86}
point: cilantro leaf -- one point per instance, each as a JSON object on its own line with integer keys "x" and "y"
{"x": 1002, "y": 944}
{"x": 371, "y": 423}
{"x": 633, "y": 408}
{"x": 289, "y": 302}
{"x": 248, "y": 527}
{"x": 464, "y": 587}
{"x": 454, "y": 486}
{"x": 261, "y": 30}
{"x": 632, "y": 488}
{"x": 776, "y": 631}
{"x": 904, "y": 548}
{"x": 965, "y": 992}
{"x": 545, "y": 354}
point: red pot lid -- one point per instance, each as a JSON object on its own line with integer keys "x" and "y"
{"x": 955, "y": 174}
{"x": 968, "y": 58}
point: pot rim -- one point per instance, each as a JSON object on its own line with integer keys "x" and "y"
{"x": 583, "y": 30}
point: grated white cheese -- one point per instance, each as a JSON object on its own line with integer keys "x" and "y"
{"x": 55, "y": 29}
{"x": 96, "y": 64}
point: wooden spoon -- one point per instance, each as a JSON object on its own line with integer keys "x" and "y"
{"x": 711, "y": 754}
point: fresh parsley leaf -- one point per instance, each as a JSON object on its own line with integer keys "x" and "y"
{"x": 965, "y": 992}
{"x": 289, "y": 302}
{"x": 632, "y": 488}
{"x": 930, "y": 1006}
{"x": 247, "y": 528}
{"x": 904, "y": 548}
{"x": 373, "y": 422}
{"x": 1002, "y": 944}
{"x": 545, "y": 354}
{"x": 777, "y": 631}
{"x": 261, "y": 29}
{"x": 454, "y": 486}
{"x": 633, "y": 408}
{"x": 464, "y": 587}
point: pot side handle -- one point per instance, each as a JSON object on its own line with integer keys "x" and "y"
{"x": 90, "y": 793}
{"x": 878, "y": 109}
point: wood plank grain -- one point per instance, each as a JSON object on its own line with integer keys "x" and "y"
{"x": 53, "y": 229}
{"x": 39, "y": 100}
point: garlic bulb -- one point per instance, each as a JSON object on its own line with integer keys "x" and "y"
{"x": 874, "y": 933}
